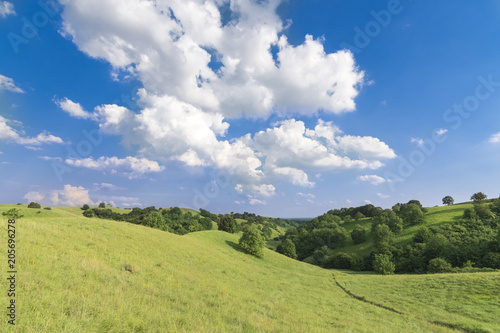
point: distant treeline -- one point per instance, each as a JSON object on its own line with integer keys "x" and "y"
{"x": 469, "y": 244}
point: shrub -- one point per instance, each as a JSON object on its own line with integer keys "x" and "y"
{"x": 382, "y": 237}
{"x": 102, "y": 205}
{"x": 342, "y": 260}
{"x": 470, "y": 214}
{"x": 439, "y": 265}
{"x": 357, "y": 262}
{"x": 227, "y": 223}
{"x": 12, "y": 214}
{"x": 492, "y": 260}
{"x": 358, "y": 234}
{"x": 382, "y": 264}
{"x": 422, "y": 235}
{"x": 287, "y": 247}
{"x": 412, "y": 214}
{"x": 34, "y": 205}
{"x": 483, "y": 212}
{"x": 48, "y": 208}
{"x": 88, "y": 213}
{"x": 85, "y": 207}
{"x": 252, "y": 242}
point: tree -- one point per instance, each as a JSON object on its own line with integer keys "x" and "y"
{"x": 227, "y": 223}
{"x": 422, "y": 235}
{"x": 88, "y": 213}
{"x": 382, "y": 264}
{"x": 478, "y": 197}
{"x": 448, "y": 200}
{"x": 13, "y": 214}
{"x": 252, "y": 242}
{"x": 412, "y": 214}
{"x": 85, "y": 207}
{"x": 102, "y": 205}
{"x": 153, "y": 220}
{"x": 382, "y": 237}
{"x": 358, "y": 234}
{"x": 267, "y": 232}
{"x": 439, "y": 265}
{"x": 287, "y": 248}
{"x": 483, "y": 212}
{"x": 358, "y": 216}
{"x": 389, "y": 218}
{"x": 34, "y": 205}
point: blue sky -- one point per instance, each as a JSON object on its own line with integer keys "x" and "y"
{"x": 282, "y": 108}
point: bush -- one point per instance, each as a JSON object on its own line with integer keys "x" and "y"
{"x": 492, "y": 260}
{"x": 48, "y": 208}
{"x": 470, "y": 214}
{"x": 382, "y": 237}
{"x": 439, "y": 265}
{"x": 357, "y": 262}
{"x": 85, "y": 207}
{"x": 341, "y": 260}
{"x": 88, "y": 213}
{"x": 287, "y": 247}
{"x": 422, "y": 235}
{"x": 483, "y": 212}
{"x": 227, "y": 223}
{"x": 358, "y": 234}
{"x": 412, "y": 214}
{"x": 34, "y": 205}
{"x": 382, "y": 264}
{"x": 252, "y": 242}
{"x": 102, "y": 205}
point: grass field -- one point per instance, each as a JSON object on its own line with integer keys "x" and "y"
{"x": 89, "y": 275}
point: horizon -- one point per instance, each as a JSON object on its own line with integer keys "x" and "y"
{"x": 279, "y": 108}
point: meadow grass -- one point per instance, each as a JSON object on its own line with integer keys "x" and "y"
{"x": 79, "y": 274}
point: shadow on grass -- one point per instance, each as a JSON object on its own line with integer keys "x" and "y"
{"x": 235, "y": 246}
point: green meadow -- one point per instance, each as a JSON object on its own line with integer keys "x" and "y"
{"x": 78, "y": 274}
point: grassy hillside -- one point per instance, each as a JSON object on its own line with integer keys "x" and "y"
{"x": 434, "y": 217}
{"x": 77, "y": 274}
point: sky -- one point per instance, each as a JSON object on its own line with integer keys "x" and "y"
{"x": 281, "y": 108}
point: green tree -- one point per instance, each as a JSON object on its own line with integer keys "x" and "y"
{"x": 227, "y": 223}
{"x": 448, "y": 200}
{"x": 470, "y": 214}
{"x": 358, "y": 216}
{"x": 13, "y": 214}
{"x": 252, "y": 242}
{"x": 85, "y": 207}
{"x": 483, "y": 212}
{"x": 358, "y": 234}
{"x": 267, "y": 232}
{"x": 287, "y": 247}
{"x": 88, "y": 213}
{"x": 422, "y": 235}
{"x": 382, "y": 237}
{"x": 478, "y": 197}
{"x": 388, "y": 217}
{"x": 439, "y": 265}
{"x": 153, "y": 220}
{"x": 102, "y": 205}
{"x": 382, "y": 264}
{"x": 34, "y": 205}
{"x": 412, "y": 214}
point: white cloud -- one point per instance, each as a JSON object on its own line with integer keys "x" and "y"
{"x": 306, "y": 195}
{"x": 7, "y": 83}
{"x": 418, "y": 141}
{"x": 254, "y": 201}
{"x": 49, "y": 158}
{"x": 132, "y": 167}
{"x": 372, "y": 179}
{"x": 74, "y": 109}
{"x": 495, "y": 138}
{"x": 6, "y": 9}
{"x": 198, "y": 70}
{"x": 368, "y": 202}
{"x": 10, "y": 134}
{"x": 441, "y": 131}
{"x": 383, "y": 196}
{"x": 69, "y": 196}
{"x": 105, "y": 186}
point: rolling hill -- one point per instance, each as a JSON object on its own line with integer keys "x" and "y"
{"x": 77, "y": 274}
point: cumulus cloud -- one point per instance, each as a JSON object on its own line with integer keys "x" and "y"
{"x": 200, "y": 68}
{"x": 372, "y": 179}
{"x": 74, "y": 109}
{"x": 131, "y": 167}
{"x": 8, "y": 133}
{"x": 6, "y": 83}
{"x": 6, "y": 9}
{"x": 69, "y": 196}
{"x": 383, "y": 196}
{"x": 495, "y": 138}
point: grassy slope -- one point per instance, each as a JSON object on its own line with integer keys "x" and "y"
{"x": 90, "y": 275}
{"x": 434, "y": 217}
{"x": 470, "y": 301}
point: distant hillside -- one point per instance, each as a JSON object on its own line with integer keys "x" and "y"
{"x": 78, "y": 274}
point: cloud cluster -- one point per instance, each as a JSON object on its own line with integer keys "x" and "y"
{"x": 6, "y": 83}
{"x": 69, "y": 196}
{"x": 205, "y": 62}
{"x": 6, "y": 9}
{"x": 372, "y": 179}
{"x": 10, "y": 134}
{"x": 495, "y": 138}
{"x": 132, "y": 167}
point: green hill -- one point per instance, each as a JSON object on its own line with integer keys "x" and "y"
{"x": 78, "y": 274}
